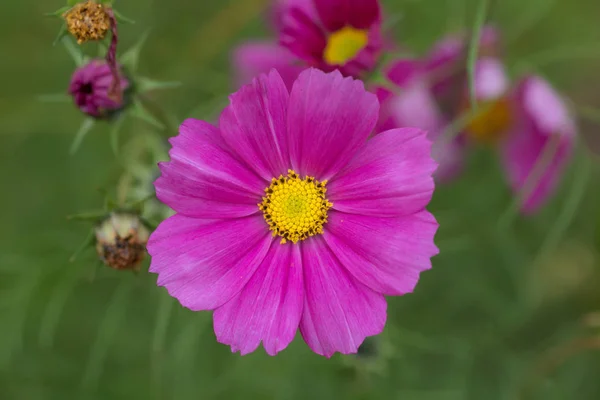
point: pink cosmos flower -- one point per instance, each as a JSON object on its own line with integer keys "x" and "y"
{"x": 326, "y": 34}
{"x": 288, "y": 218}
{"x": 90, "y": 87}
{"x": 434, "y": 92}
{"x": 542, "y": 125}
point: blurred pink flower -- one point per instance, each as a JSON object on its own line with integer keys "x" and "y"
{"x": 326, "y": 34}
{"x": 91, "y": 87}
{"x": 334, "y": 34}
{"x": 541, "y": 118}
{"x": 433, "y": 92}
{"x": 288, "y": 217}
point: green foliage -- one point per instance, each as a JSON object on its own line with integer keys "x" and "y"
{"x": 479, "y": 324}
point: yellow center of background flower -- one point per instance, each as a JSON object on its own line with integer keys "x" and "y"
{"x": 491, "y": 122}
{"x": 295, "y": 208}
{"x": 344, "y": 45}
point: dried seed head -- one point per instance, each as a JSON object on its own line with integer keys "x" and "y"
{"x": 88, "y": 21}
{"x": 121, "y": 240}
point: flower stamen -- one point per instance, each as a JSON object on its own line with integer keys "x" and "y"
{"x": 492, "y": 122}
{"x": 295, "y": 208}
{"x": 344, "y": 45}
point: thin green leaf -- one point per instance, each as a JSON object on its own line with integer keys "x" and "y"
{"x": 480, "y": 17}
{"x": 130, "y": 59}
{"x": 107, "y": 331}
{"x": 74, "y": 50}
{"x": 12, "y": 334}
{"x": 121, "y": 18}
{"x": 58, "y": 12}
{"x": 88, "y": 242}
{"x": 61, "y": 34}
{"x": 571, "y": 205}
{"x": 54, "y": 98}
{"x": 85, "y": 128}
{"x": 73, "y": 2}
{"x": 163, "y": 316}
{"x": 542, "y": 163}
{"x": 184, "y": 352}
{"x": 56, "y": 305}
{"x": 110, "y": 204}
{"x": 115, "y": 132}
{"x": 140, "y": 112}
{"x": 145, "y": 85}
{"x": 139, "y": 204}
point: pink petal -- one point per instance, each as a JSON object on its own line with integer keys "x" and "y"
{"x": 254, "y": 58}
{"x": 335, "y": 14}
{"x": 254, "y": 125}
{"x": 543, "y": 117}
{"x": 269, "y": 307}
{"x": 403, "y": 72}
{"x": 386, "y": 254}
{"x": 329, "y": 119}
{"x": 302, "y": 35}
{"x": 490, "y": 39}
{"x": 339, "y": 312}
{"x": 390, "y": 176}
{"x": 491, "y": 81}
{"x": 545, "y": 108}
{"x": 204, "y": 263}
{"x": 282, "y": 7}
{"x": 203, "y": 179}
{"x": 441, "y": 64}
{"x": 416, "y": 106}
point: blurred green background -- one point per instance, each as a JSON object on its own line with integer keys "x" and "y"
{"x": 503, "y": 314}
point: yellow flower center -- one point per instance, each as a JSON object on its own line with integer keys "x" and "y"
{"x": 344, "y": 45}
{"x": 491, "y": 122}
{"x": 295, "y": 208}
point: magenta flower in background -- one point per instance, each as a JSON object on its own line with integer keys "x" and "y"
{"x": 326, "y": 34}
{"x": 434, "y": 92}
{"x": 288, "y": 218}
{"x": 542, "y": 125}
{"x": 91, "y": 87}
{"x": 334, "y": 34}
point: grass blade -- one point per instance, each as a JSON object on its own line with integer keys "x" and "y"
{"x": 106, "y": 333}
{"x": 480, "y": 18}
{"x": 85, "y": 128}
{"x": 569, "y": 210}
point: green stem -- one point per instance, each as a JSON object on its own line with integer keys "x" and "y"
{"x": 480, "y": 18}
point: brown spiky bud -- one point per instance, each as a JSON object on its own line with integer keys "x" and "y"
{"x": 121, "y": 241}
{"x": 88, "y": 21}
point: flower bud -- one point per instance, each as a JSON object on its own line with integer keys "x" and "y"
{"x": 87, "y": 21}
{"x": 121, "y": 241}
{"x": 93, "y": 89}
